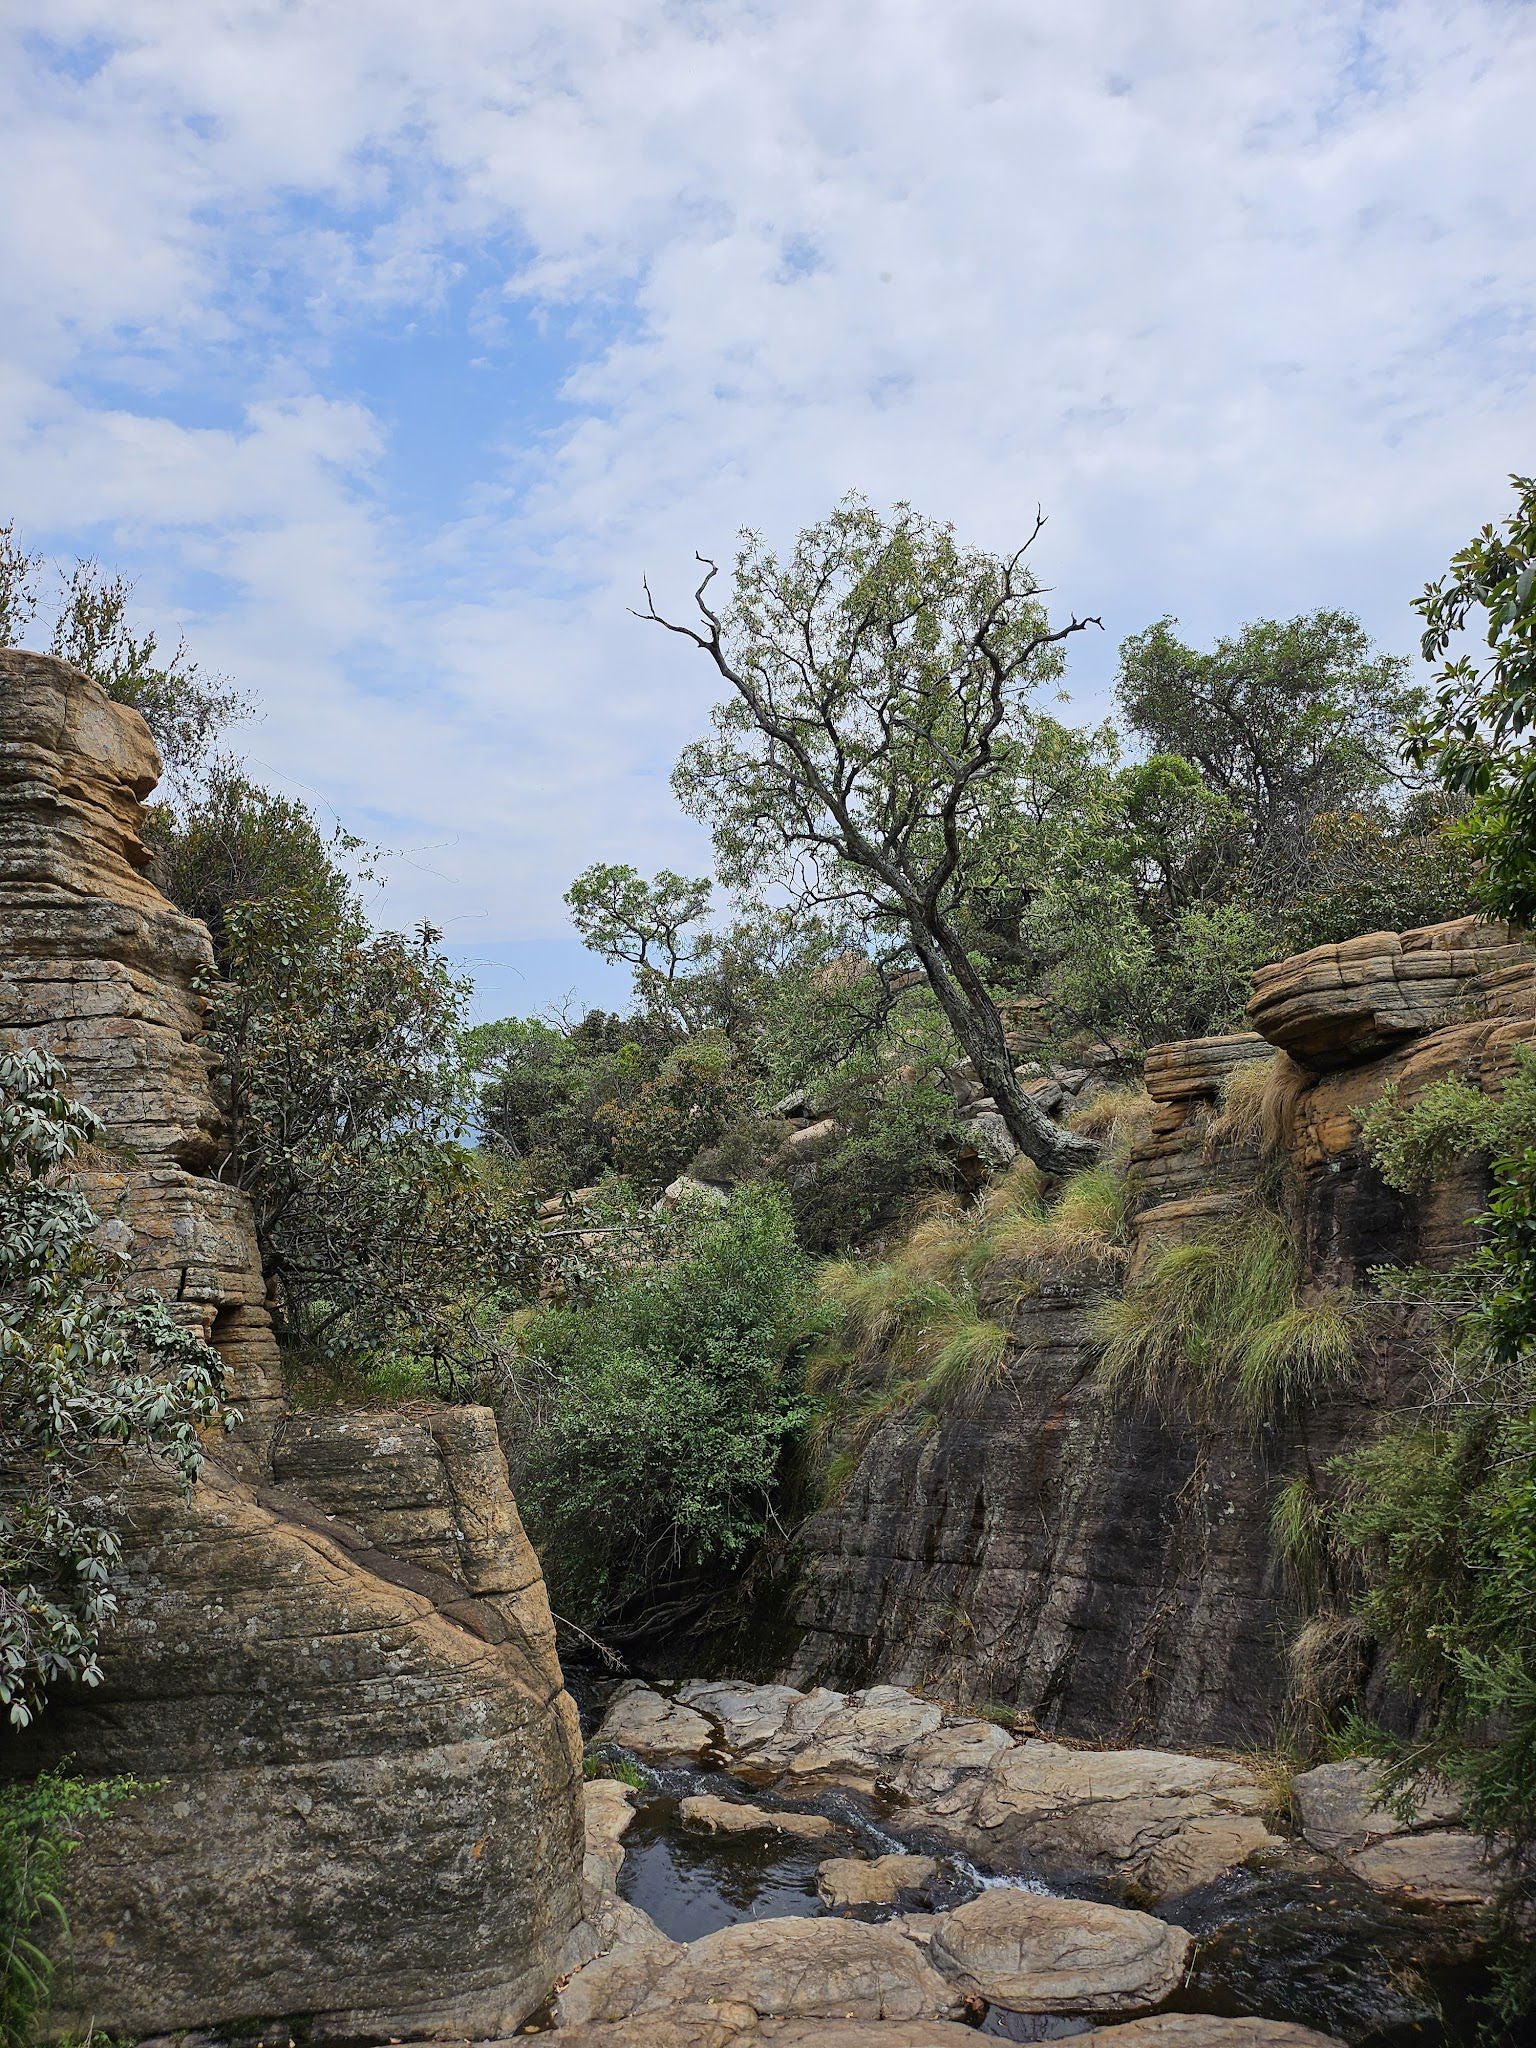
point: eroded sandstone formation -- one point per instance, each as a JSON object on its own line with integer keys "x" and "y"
{"x": 334, "y": 1667}
{"x": 1110, "y": 1569}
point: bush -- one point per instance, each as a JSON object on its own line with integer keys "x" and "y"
{"x": 893, "y": 1144}
{"x": 647, "y": 1477}
{"x": 86, "y": 1377}
{"x": 39, "y": 1826}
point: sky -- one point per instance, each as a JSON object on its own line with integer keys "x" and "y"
{"x": 387, "y": 346}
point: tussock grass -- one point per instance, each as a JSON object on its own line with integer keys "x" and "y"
{"x": 1218, "y": 1324}
{"x": 1117, "y": 1117}
{"x": 908, "y": 1332}
{"x": 969, "y": 1358}
{"x": 1256, "y": 1105}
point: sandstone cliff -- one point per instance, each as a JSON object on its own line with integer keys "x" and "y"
{"x": 335, "y": 1665}
{"x": 1111, "y": 1570}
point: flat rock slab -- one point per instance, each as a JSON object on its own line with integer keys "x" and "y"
{"x": 1163, "y": 1822}
{"x": 653, "y": 1726}
{"x": 1032, "y": 1953}
{"x": 791, "y": 1969}
{"x": 847, "y": 1881}
{"x": 707, "y": 1815}
{"x": 852, "y": 1738}
{"x": 1208, "y": 2030}
{"x": 704, "y": 2031}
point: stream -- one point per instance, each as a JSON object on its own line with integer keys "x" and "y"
{"x": 1313, "y": 1947}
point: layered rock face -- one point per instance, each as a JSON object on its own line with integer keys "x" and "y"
{"x": 1111, "y": 1570}
{"x": 334, "y": 1667}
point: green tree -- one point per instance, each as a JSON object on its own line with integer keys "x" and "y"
{"x": 880, "y": 675}
{"x": 1286, "y": 720}
{"x": 1476, "y": 733}
{"x": 338, "y": 1046}
{"x": 643, "y": 925}
{"x": 185, "y": 708}
{"x": 88, "y": 1378}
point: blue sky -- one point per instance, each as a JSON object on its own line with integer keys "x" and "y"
{"x": 388, "y": 346}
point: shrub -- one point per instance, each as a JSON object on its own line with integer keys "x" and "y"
{"x": 86, "y": 1377}
{"x": 379, "y": 1233}
{"x": 648, "y": 1476}
{"x": 39, "y": 1825}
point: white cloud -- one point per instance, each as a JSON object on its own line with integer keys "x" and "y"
{"x": 1242, "y": 292}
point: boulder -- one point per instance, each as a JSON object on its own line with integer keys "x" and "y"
{"x": 1337, "y": 1806}
{"x": 1152, "y": 1819}
{"x": 652, "y": 1725}
{"x": 711, "y": 2031}
{"x": 848, "y": 1881}
{"x": 1413, "y": 1851}
{"x": 707, "y": 1815}
{"x": 940, "y": 1771}
{"x": 688, "y": 1192}
{"x": 1339, "y": 1005}
{"x": 858, "y": 1742}
{"x": 608, "y": 1811}
{"x": 1029, "y": 1952}
{"x": 846, "y": 1738}
{"x": 790, "y": 1969}
{"x": 1208, "y": 2030}
{"x": 1441, "y": 1867}
{"x": 990, "y": 1138}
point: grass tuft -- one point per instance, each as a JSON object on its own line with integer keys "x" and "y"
{"x": 1217, "y": 1322}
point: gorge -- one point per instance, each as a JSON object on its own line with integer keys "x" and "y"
{"x": 1040, "y": 1633}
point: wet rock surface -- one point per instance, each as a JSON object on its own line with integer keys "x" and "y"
{"x": 708, "y": 1814}
{"x": 1284, "y": 1945}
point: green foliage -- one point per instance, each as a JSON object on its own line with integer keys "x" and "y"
{"x": 880, "y": 676}
{"x": 1217, "y": 1324}
{"x": 86, "y": 1378}
{"x": 226, "y": 842}
{"x": 894, "y": 1136}
{"x": 624, "y": 918}
{"x": 1449, "y": 1121}
{"x": 1476, "y": 733}
{"x": 39, "y": 1826}
{"x": 184, "y": 708}
{"x": 649, "y": 1470}
{"x": 379, "y": 1233}
{"x": 1429, "y": 1544}
{"x": 1287, "y": 721}
{"x": 602, "y": 1760}
{"x": 694, "y": 1097}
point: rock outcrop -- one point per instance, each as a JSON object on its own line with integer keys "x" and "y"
{"x": 333, "y": 1668}
{"x": 1106, "y": 1568}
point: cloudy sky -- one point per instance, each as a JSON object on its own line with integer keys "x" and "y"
{"x": 386, "y": 344}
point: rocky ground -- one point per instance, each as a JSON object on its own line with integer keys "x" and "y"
{"x": 1121, "y": 1861}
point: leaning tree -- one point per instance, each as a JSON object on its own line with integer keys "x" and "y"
{"x": 881, "y": 678}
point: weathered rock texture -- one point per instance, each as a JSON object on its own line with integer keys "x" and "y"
{"x": 1111, "y": 1571}
{"x": 334, "y": 1666}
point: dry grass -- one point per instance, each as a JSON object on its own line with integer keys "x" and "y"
{"x": 1256, "y": 1106}
{"x": 1117, "y": 1117}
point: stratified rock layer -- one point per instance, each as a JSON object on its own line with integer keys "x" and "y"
{"x": 334, "y": 1666}
{"x": 1110, "y": 1569}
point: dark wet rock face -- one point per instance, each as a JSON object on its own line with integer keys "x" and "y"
{"x": 1111, "y": 1572}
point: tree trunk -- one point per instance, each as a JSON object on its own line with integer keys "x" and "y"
{"x": 965, "y": 1001}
